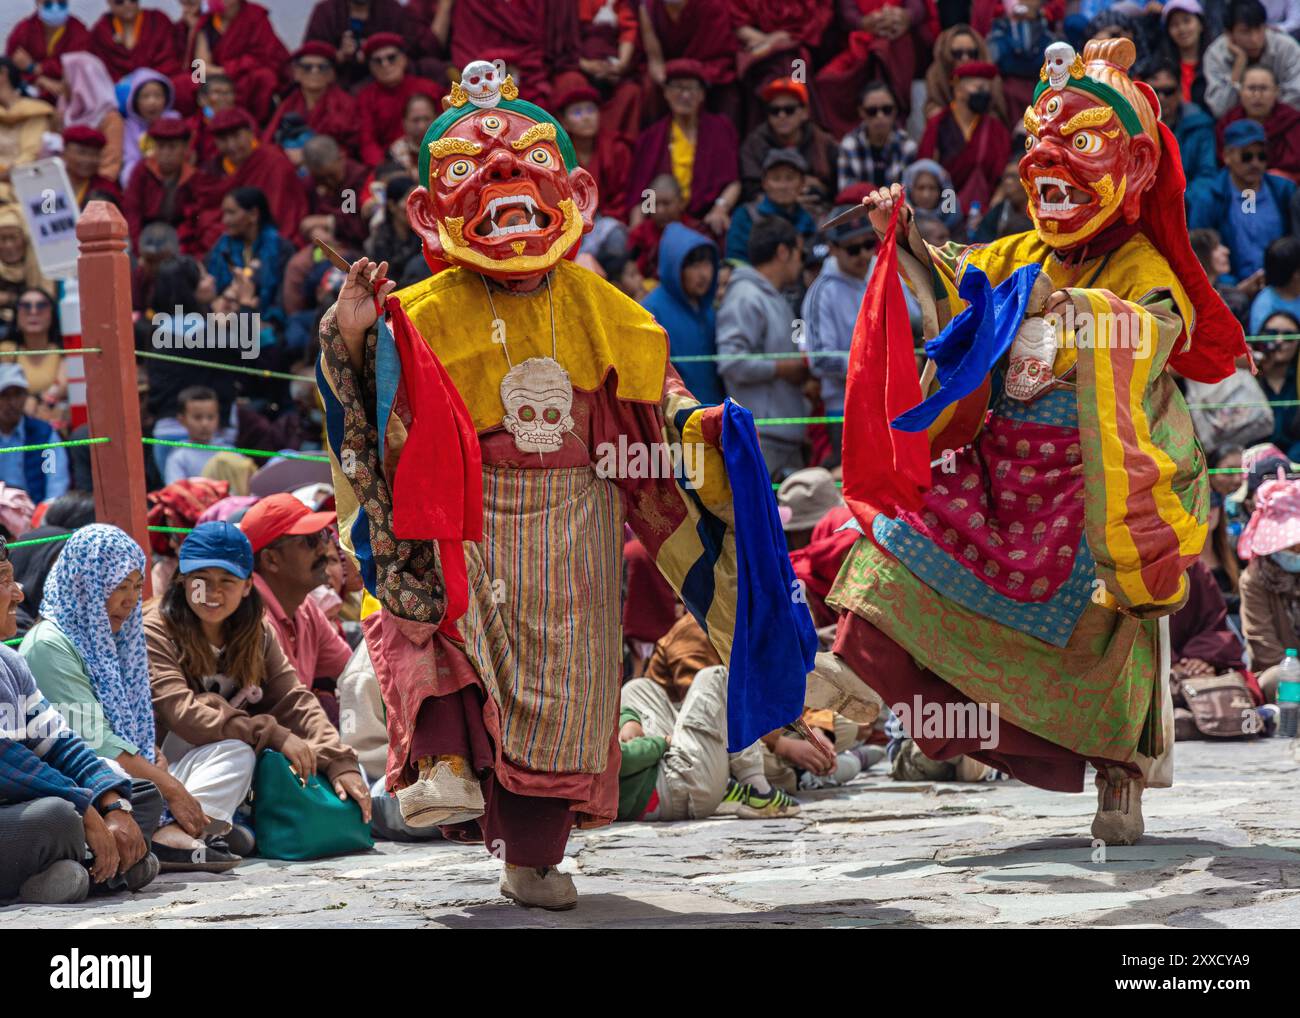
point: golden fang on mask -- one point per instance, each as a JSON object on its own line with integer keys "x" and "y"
{"x": 1049, "y": 229}
{"x": 451, "y": 233}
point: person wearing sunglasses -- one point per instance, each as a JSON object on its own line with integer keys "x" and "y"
{"x": 319, "y": 99}
{"x": 877, "y": 150}
{"x": 956, "y": 45}
{"x": 788, "y": 125}
{"x": 965, "y": 139}
{"x": 1249, "y": 207}
{"x": 1261, "y": 102}
{"x": 382, "y": 102}
{"x": 38, "y": 329}
{"x": 1193, "y": 128}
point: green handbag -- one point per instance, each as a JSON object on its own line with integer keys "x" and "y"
{"x": 296, "y": 821}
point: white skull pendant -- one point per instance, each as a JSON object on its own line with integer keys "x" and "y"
{"x": 538, "y": 398}
{"x": 1032, "y": 354}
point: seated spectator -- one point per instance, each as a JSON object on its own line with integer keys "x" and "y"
{"x": 959, "y": 44}
{"x": 318, "y": 98}
{"x": 756, "y": 318}
{"x": 19, "y": 269}
{"x": 1182, "y": 43}
{"x": 972, "y": 145}
{"x": 1193, "y": 128}
{"x": 33, "y": 563}
{"x": 88, "y": 655}
{"x": 393, "y": 240}
{"x": 239, "y": 42}
{"x": 1248, "y": 40}
{"x": 82, "y": 150}
{"x": 344, "y": 26}
{"x": 1017, "y": 42}
{"x": 803, "y": 499}
{"x": 605, "y": 154}
{"x": 42, "y": 473}
{"x": 127, "y": 38}
{"x": 224, "y": 690}
{"x": 1118, "y": 23}
{"x": 665, "y": 205}
{"x": 1281, "y": 291}
{"x": 885, "y": 37}
{"x": 38, "y": 43}
{"x": 149, "y": 98}
{"x": 198, "y": 412}
{"x": 1246, "y": 227}
{"x": 788, "y": 125}
{"x": 215, "y": 95}
{"x": 608, "y": 55}
{"x": 774, "y": 37}
{"x": 59, "y": 800}
{"x": 288, "y": 540}
{"x": 699, "y": 149}
{"x": 830, "y": 310}
{"x": 160, "y": 188}
{"x": 1277, "y": 375}
{"x": 232, "y": 468}
{"x": 87, "y": 98}
{"x": 929, "y": 187}
{"x": 1219, "y": 556}
{"x": 817, "y": 563}
{"x": 537, "y": 39}
{"x": 242, "y": 163}
{"x": 16, "y": 511}
{"x": 683, "y": 305}
{"x": 675, "y": 764}
{"x": 1270, "y": 586}
{"x": 176, "y": 506}
{"x": 877, "y": 151}
{"x": 38, "y": 329}
{"x": 784, "y": 172}
{"x": 23, "y": 122}
{"x": 382, "y": 103}
{"x": 1201, "y": 640}
{"x": 1281, "y": 121}
{"x": 697, "y": 31}
{"x": 251, "y": 246}
{"x": 418, "y": 113}
{"x": 1009, "y": 211}
{"x": 335, "y": 186}
{"x": 621, "y": 269}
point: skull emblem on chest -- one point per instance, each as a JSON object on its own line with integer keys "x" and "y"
{"x": 1029, "y": 374}
{"x": 538, "y": 398}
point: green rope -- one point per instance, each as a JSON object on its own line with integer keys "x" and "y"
{"x": 259, "y": 372}
{"x": 57, "y": 351}
{"x": 36, "y": 540}
{"x": 170, "y": 530}
{"x": 56, "y": 445}
{"x": 243, "y": 452}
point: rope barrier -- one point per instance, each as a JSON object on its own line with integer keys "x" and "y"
{"x": 264, "y": 453}
{"x": 259, "y": 372}
{"x": 54, "y": 351}
{"x": 36, "y": 540}
{"x": 56, "y": 445}
{"x": 170, "y": 530}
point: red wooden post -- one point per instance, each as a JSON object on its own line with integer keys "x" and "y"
{"x": 104, "y": 275}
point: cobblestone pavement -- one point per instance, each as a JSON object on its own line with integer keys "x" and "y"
{"x": 1222, "y": 850}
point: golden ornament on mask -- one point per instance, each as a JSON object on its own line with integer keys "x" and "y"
{"x": 453, "y": 147}
{"x": 536, "y": 133}
{"x": 509, "y": 90}
{"x": 458, "y": 97}
{"x": 1033, "y": 125}
{"x": 1093, "y": 116}
{"x": 1076, "y": 68}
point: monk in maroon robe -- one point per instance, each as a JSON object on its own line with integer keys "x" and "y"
{"x": 969, "y": 142}
{"x": 214, "y": 96}
{"x": 380, "y": 104}
{"x": 160, "y": 188}
{"x": 336, "y": 191}
{"x": 82, "y": 149}
{"x": 887, "y": 38}
{"x": 1281, "y": 122}
{"x": 241, "y": 44}
{"x": 332, "y": 22}
{"x": 699, "y": 30}
{"x": 319, "y": 100}
{"x": 603, "y": 154}
{"x": 127, "y": 38}
{"x": 608, "y": 54}
{"x": 36, "y": 48}
{"x": 244, "y": 162}
{"x": 535, "y": 36}
{"x": 774, "y": 33}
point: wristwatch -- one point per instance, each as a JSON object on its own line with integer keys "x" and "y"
{"x": 122, "y": 804}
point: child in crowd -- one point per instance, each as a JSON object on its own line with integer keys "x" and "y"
{"x": 199, "y": 414}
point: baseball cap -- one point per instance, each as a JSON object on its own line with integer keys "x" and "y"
{"x": 281, "y": 515}
{"x": 12, "y": 377}
{"x": 219, "y": 545}
{"x": 1244, "y": 132}
{"x": 784, "y": 86}
{"x": 785, "y": 157}
{"x": 1190, "y": 6}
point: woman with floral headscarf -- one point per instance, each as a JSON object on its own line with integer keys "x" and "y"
{"x": 88, "y": 654}
{"x": 1270, "y": 586}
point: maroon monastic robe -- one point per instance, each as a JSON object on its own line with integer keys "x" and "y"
{"x": 1283, "y": 131}
{"x": 250, "y": 53}
{"x": 717, "y": 160}
{"x": 267, "y": 168}
{"x": 344, "y": 203}
{"x": 29, "y": 34}
{"x": 335, "y": 114}
{"x": 610, "y": 165}
{"x": 975, "y": 164}
{"x": 150, "y": 199}
{"x": 379, "y": 110}
{"x": 536, "y": 36}
{"x": 331, "y": 19}
{"x": 702, "y": 30}
{"x": 154, "y": 46}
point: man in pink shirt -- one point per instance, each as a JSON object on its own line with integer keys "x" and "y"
{"x": 289, "y": 542}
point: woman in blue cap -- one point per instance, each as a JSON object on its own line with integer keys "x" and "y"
{"x": 223, "y": 689}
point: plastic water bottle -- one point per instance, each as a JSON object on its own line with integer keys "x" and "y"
{"x": 1288, "y": 695}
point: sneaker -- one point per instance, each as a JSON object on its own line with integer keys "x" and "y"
{"x": 745, "y": 802}
{"x": 142, "y": 874}
{"x": 64, "y": 883}
{"x": 444, "y": 793}
{"x": 539, "y": 887}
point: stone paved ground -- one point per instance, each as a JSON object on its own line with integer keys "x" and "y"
{"x": 1222, "y": 850}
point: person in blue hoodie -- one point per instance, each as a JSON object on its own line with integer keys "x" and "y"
{"x": 683, "y": 304}
{"x": 1193, "y": 128}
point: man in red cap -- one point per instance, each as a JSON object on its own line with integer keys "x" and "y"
{"x": 128, "y": 38}
{"x": 82, "y": 148}
{"x": 160, "y": 187}
{"x": 235, "y": 38}
{"x": 319, "y": 100}
{"x": 788, "y": 125}
{"x": 289, "y": 542}
{"x": 602, "y": 153}
{"x": 39, "y": 40}
{"x": 243, "y": 162}
{"x": 381, "y": 103}
{"x": 970, "y": 145}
